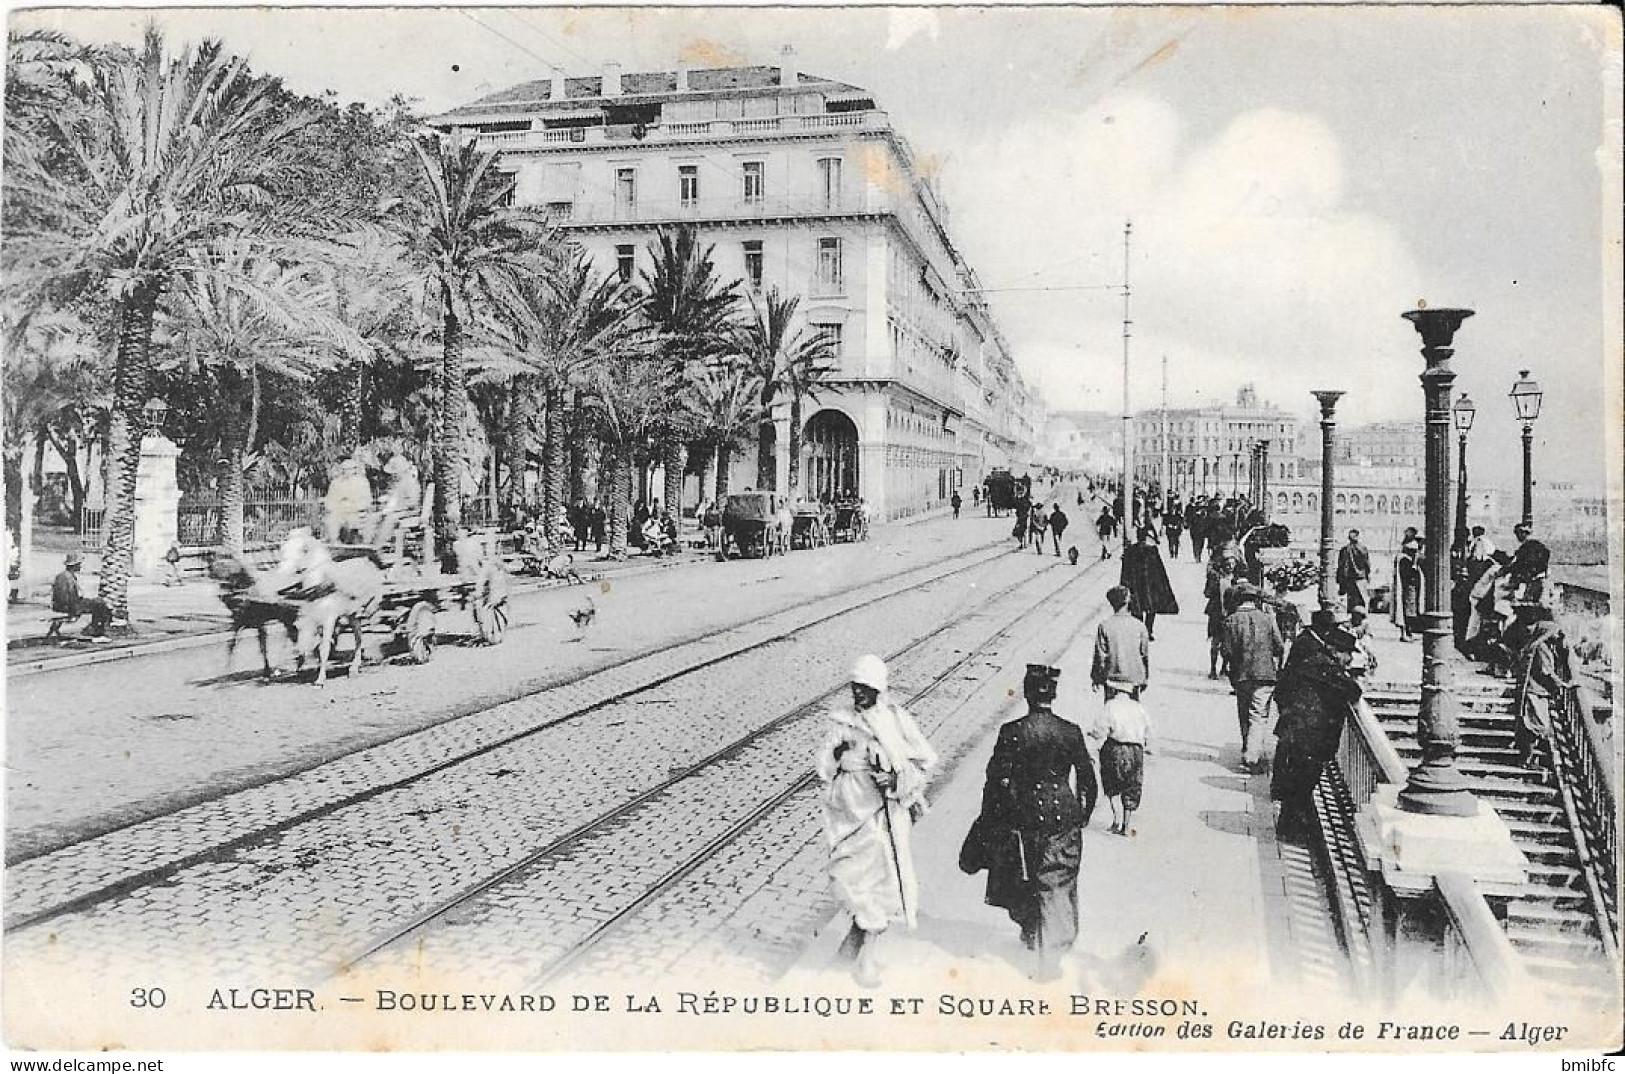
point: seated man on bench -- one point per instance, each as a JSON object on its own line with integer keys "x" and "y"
{"x": 69, "y": 605}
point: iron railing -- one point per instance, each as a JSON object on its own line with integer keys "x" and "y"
{"x": 1587, "y": 785}
{"x": 266, "y": 520}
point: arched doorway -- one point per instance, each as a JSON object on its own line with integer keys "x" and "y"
{"x": 832, "y": 456}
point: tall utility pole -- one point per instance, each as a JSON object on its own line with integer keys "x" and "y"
{"x": 1165, "y": 432}
{"x": 1128, "y": 412}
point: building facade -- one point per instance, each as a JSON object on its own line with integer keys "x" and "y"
{"x": 1210, "y": 448}
{"x": 798, "y": 183}
{"x": 1400, "y": 444}
{"x": 1083, "y": 441}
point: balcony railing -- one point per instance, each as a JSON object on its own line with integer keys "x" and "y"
{"x": 861, "y": 203}
{"x": 680, "y": 132}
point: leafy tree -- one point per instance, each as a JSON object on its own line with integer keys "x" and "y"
{"x": 168, "y": 154}
{"x": 725, "y": 399}
{"x": 692, "y": 309}
{"x": 467, "y": 249}
{"x": 810, "y": 365}
{"x": 630, "y": 391}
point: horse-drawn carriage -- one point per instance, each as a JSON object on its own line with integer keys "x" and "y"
{"x": 811, "y": 526}
{"x": 1004, "y": 491}
{"x": 851, "y": 522}
{"x": 751, "y": 525}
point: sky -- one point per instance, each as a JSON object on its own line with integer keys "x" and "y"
{"x": 1296, "y": 178}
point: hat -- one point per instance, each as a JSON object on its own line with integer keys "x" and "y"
{"x": 1245, "y": 590}
{"x": 1040, "y": 681}
{"x": 870, "y": 671}
{"x": 75, "y": 559}
{"x": 1322, "y": 620}
{"x": 1341, "y": 640}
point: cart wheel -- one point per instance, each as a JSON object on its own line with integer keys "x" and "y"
{"x": 420, "y": 632}
{"x": 492, "y": 621}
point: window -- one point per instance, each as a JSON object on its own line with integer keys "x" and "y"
{"x": 829, "y": 264}
{"x": 626, "y": 260}
{"x": 753, "y": 180}
{"x": 688, "y": 185}
{"x": 626, "y": 189}
{"x": 829, "y": 180}
{"x": 753, "y": 262}
{"x": 832, "y": 333}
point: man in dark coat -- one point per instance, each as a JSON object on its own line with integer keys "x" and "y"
{"x": 1173, "y": 523}
{"x": 1314, "y": 694}
{"x": 1527, "y": 571}
{"x": 1354, "y": 572}
{"x": 1057, "y": 526}
{"x": 67, "y": 600}
{"x": 1038, "y": 798}
{"x": 1144, "y": 576}
{"x": 1196, "y": 526}
{"x": 1106, "y": 529}
{"x": 1540, "y": 675}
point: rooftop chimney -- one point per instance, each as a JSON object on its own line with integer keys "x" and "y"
{"x": 555, "y": 86}
{"x": 612, "y": 79}
{"x": 788, "y": 75}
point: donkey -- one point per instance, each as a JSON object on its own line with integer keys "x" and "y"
{"x": 252, "y": 604}
{"x": 329, "y": 592}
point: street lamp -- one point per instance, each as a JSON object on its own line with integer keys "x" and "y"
{"x": 1328, "y": 545}
{"x": 1462, "y": 414}
{"x": 154, "y": 411}
{"x": 1436, "y": 786}
{"x": 1526, "y": 396}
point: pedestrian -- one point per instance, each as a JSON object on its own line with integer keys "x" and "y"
{"x": 1195, "y": 525}
{"x": 580, "y": 523}
{"x": 1363, "y": 661}
{"x": 67, "y": 600}
{"x": 711, "y": 522}
{"x": 1407, "y": 610}
{"x": 600, "y": 521}
{"x": 1106, "y": 529}
{"x": 1038, "y": 797}
{"x": 1122, "y": 729}
{"x": 1252, "y": 651}
{"x": 1314, "y": 695}
{"x": 1540, "y": 675}
{"x": 1037, "y": 526}
{"x": 1019, "y": 530}
{"x": 956, "y": 501}
{"x": 1122, "y": 660}
{"x": 975, "y": 496}
{"x": 172, "y": 565}
{"x": 873, "y": 763}
{"x": 1354, "y": 572}
{"x": 1147, "y": 580}
{"x": 1058, "y": 523}
{"x": 1529, "y": 565}
{"x": 1222, "y": 569}
{"x": 1174, "y": 526}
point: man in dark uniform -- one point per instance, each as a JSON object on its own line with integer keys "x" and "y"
{"x": 1527, "y": 571}
{"x": 1033, "y": 815}
{"x": 1354, "y": 572}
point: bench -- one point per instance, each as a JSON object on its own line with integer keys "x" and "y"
{"x": 59, "y": 620}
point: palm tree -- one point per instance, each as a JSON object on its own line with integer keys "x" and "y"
{"x": 724, "y": 396}
{"x": 783, "y": 360}
{"x": 165, "y": 154}
{"x": 809, "y": 367}
{"x": 364, "y": 292}
{"x": 692, "y": 310}
{"x": 468, "y": 249}
{"x": 629, "y": 392}
{"x": 582, "y": 320}
{"x": 251, "y": 319}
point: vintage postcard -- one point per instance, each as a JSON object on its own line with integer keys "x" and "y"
{"x": 937, "y": 528}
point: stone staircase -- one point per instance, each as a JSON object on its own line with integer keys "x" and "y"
{"x": 1552, "y": 923}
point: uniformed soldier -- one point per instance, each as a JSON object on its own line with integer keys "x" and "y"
{"x": 1038, "y": 798}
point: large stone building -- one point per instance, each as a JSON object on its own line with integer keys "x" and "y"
{"x": 801, "y": 183}
{"x": 1399, "y": 444}
{"x": 1210, "y": 447}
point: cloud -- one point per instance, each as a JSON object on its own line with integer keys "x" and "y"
{"x": 905, "y": 23}
{"x": 1249, "y": 260}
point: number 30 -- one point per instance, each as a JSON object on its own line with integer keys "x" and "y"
{"x": 147, "y": 997}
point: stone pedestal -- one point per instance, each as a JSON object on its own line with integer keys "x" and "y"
{"x": 157, "y": 504}
{"x": 1406, "y": 853}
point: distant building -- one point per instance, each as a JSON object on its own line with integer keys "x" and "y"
{"x": 1083, "y": 441}
{"x": 1384, "y": 443}
{"x": 1210, "y": 447}
{"x": 801, "y": 183}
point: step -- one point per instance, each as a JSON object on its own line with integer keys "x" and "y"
{"x": 1489, "y": 770}
{"x": 1550, "y": 918}
{"x": 1567, "y": 946}
{"x": 1481, "y": 743}
{"x": 1552, "y": 875}
{"x": 1536, "y": 832}
{"x": 1506, "y": 790}
{"x": 1548, "y": 853}
{"x": 1553, "y": 898}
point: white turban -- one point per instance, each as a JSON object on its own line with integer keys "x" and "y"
{"x": 870, "y": 671}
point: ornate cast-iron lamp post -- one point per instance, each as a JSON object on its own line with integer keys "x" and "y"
{"x": 1264, "y": 478}
{"x": 1462, "y": 413}
{"x": 1436, "y": 786}
{"x": 1526, "y": 396}
{"x": 1328, "y": 543}
{"x": 154, "y": 411}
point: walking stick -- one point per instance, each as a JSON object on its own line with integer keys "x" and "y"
{"x": 896, "y": 860}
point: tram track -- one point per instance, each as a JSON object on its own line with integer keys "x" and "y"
{"x": 85, "y": 889}
{"x": 777, "y": 738}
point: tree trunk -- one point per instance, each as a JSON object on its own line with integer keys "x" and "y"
{"x": 68, "y": 448}
{"x": 132, "y": 367}
{"x": 794, "y": 483}
{"x": 618, "y": 461}
{"x": 448, "y": 455}
{"x": 708, "y": 455}
{"x": 554, "y": 460}
{"x": 37, "y": 478}
{"x": 579, "y": 445}
{"x": 229, "y": 529}
{"x": 675, "y": 459}
{"x": 350, "y": 410}
{"x": 766, "y": 470}
{"x": 516, "y": 443}
{"x": 724, "y": 451}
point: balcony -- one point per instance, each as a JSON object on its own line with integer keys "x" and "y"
{"x": 670, "y": 133}
{"x": 733, "y": 208}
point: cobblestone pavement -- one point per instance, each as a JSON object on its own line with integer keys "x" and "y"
{"x": 316, "y": 891}
{"x": 525, "y": 924}
{"x": 91, "y": 749}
